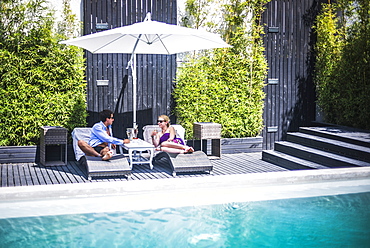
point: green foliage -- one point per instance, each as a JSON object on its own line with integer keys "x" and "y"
{"x": 41, "y": 81}
{"x": 225, "y": 85}
{"x": 342, "y": 63}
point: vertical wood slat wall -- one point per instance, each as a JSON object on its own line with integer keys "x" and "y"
{"x": 290, "y": 97}
{"x": 155, "y": 73}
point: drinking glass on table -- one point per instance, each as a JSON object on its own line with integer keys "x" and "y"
{"x": 128, "y": 132}
{"x": 136, "y": 130}
{"x": 155, "y": 132}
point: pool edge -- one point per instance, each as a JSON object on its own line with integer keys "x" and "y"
{"x": 61, "y": 191}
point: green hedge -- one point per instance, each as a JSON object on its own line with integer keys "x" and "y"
{"x": 225, "y": 85}
{"x": 41, "y": 81}
{"x": 343, "y": 63}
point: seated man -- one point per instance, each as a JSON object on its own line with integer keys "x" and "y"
{"x": 102, "y": 139}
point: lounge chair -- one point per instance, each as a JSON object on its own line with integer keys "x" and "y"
{"x": 95, "y": 166}
{"x": 189, "y": 162}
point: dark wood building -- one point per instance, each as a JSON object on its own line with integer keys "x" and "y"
{"x": 290, "y": 94}
{"x": 155, "y": 73}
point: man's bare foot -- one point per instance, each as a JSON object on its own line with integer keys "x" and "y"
{"x": 107, "y": 156}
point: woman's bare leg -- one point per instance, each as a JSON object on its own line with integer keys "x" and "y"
{"x": 172, "y": 145}
{"x": 171, "y": 150}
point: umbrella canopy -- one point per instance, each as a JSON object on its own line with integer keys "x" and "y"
{"x": 147, "y": 37}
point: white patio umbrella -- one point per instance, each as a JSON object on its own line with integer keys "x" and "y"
{"x": 147, "y": 37}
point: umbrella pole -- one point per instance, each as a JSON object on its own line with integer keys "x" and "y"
{"x": 132, "y": 64}
{"x": 134, "y": 88}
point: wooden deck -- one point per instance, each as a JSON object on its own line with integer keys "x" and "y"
{"x": 27, "y": 174}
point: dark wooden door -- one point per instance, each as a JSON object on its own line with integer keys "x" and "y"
{"x": 290, "y": 93}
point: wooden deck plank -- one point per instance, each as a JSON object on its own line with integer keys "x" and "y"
{"x": 40, "y": 175}
{"x": 164, "y": 169}
{"x": 73, "y": 176}
{"x": 27, "y": 174}
{"x": 152, "y": 175}
{"x": 34, "y": 174}
{"x": 257, "y": 164}
{"x": 157, "y": 172}
{"x": 61, "y": 175}
{"x": 3, "y": 176}
{"x": 16, "y": 176}
{"x": 53, "y": 176}
{"x": 77, "y": 172}
{"x": 68, "y": 177}
{"x": 10, "y": 175}
{"x": 141, "y": 172}
{"x": 232, "y": 168}
{"x": 247, "y": 167}
{"x": 241, "y": 162}
{"x": 160, "y": 172}
{"x": 21, "y": 175}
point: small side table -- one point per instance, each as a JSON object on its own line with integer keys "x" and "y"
{"x": 52, "y": 135}
{"x": 209, "y": 130}
{"x": 138, "y": 145}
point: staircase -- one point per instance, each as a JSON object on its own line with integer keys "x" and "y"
{"x": 321, "y": 148}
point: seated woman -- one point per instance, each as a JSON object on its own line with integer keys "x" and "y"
{"x": 166, "y": 140}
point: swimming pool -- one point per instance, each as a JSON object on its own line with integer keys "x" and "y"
{"x": 327, "y": 221}
{"x": 309, "y": 214}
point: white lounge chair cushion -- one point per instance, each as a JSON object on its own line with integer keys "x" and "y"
{"x": 80, "y": 133}
{"x": 148, "y": 129}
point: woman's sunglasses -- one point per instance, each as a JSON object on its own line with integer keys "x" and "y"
{"x": 160, "y": 121}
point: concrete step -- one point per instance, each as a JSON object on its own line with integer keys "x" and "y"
{"x": 289, "y": 162}
{"x": 318, "y": 156}
{"x": 349, "y": 135}
{"x": 331, "y": 145}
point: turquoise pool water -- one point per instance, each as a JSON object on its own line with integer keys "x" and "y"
{"x": 326, "y": 221}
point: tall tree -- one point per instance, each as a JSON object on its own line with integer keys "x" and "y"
{"x": 343, "y": 61}
{"x": 224, "y": 85}
{"x": 41, "y": 81}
